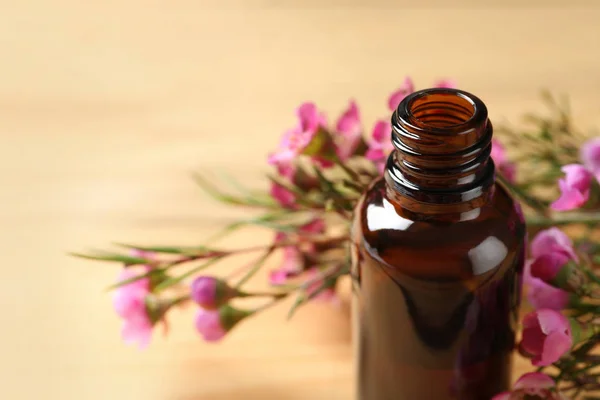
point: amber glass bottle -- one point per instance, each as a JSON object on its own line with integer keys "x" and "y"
{"x": 438, "y": 251}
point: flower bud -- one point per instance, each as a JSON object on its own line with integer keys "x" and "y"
{"x": 542, "y": 295}
{"x": 559, "y": 270}
{"x": 213, "y": 325}
{"x": 211, "y": 293}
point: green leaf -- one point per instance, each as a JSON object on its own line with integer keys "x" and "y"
{"x": 267, "y": 220}
{"x": 300, "y": 299}
{"x": 286, "y": 185}
{"x": 234, "y": 183}
{"x": 150, "y": 274}
{"x": 354, "y": 186}
{"x": 303, "y": 298}
{"x": 188, "y": 251}
{"x": 257, "y": 265}
{"x": 591, "y": 273}
{"x": 230, "y": 199}
{"x": 329, "y": 281}
{"x": 175, "y": 280}
{"x": 127, "y": 260}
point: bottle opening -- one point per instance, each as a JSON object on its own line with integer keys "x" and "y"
{"x": 442, "y": 140}
{"x": 441, "y": 109}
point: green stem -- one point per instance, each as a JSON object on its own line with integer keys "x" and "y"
{"x": 563, "y": 219}
{"x": 172, "y": 281}
{"x": 276, "y": 299}
{"x": 259, "y": 263}
{"x": 346, "y": 169}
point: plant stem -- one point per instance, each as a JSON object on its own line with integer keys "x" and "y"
{"x": 563, "y": 219}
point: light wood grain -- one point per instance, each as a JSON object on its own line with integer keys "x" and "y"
{"x": 105, "y": 108}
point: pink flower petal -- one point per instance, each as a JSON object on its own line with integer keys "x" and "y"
{"x": 349, "y": 130}
{"x": 445, "y": 84}
{"x": 138, "y": 330}
{"x": 547, "y": 266}
{"x": 282, "y": 195}
{"x": 503, "y": 164}
{"x": 570, "y": 199}
{"x": 286, "y": 170}
{"x": 552, "y": 321}
{"x": 533, "y": 340}
{"x": 382, "y": 133}
{"x": 278, "y": 277}
{"x": 534, "y": 380}
{"x": 405, "y": 89}
{"x": 555, "y": 345}
{"x": 295, "y": 140}
{"x": 375, "y": 154}
{"x": 380, "y": 145}
{"x": 128, "y": 302}
{"x": 577, "y": 176}
{"x": 552, "y": 240}
{"x": 590, "y": 155}
{"x": 309, "y": 117}
{"x": 315, "y": 226}
{"x": 546, "y": 336}
{"x": 542, "y": 295}
{"x": 574, "y": 188}
{"x": 208, "y": 324}
{"x": 502, "y": 396}
{"x": 129, "y": 299}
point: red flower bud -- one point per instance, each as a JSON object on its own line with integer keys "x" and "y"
{"x": 210, "y": 292}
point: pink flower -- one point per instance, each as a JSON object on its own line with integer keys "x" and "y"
{"x": 504, "y": 166}
{"x": 127, "y": 298}
{"x": 574, "y": 188}
{"x": 315, "y": 226}
{"x": 552, "y": 240}
{"x": 129, "y": 302}
{"x": 210, "y": 293}
{"x": 531, "y": 384}
{"x": 209, "y": 325}
{"x": 292, "y": 265}
{"x": 213, "y": 325}
{"x": 590, "y": 155}
{"x": 380, "y": 145}
{"x": 296, "y": 140}
{"x": 137, "y": 329}
{"x": 286, "y": 170}
{"x": 547, "y": 266}
{"x": 405, "y": 89}
{"x": 445, "y": 84}
{"x": 349, "y": 128}
{"x": 542, "y": 295}
{"x": 283, "y": 196}
{"x": 204, "y": 291}
{"x": 546, "y": 336}
{"x": 327, "y": 294}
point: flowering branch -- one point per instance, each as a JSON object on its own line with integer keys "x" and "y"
{"x": 320, "y": 172}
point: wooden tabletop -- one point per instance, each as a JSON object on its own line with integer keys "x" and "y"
{"x": 107, "y": 107}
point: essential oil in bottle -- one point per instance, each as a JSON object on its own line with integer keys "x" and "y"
{"x": 438, "y": 252}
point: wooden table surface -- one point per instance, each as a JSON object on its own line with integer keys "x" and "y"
{"x": 106, "y": 107}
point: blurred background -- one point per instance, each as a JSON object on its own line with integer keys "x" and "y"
{"x": 106, "y": 107}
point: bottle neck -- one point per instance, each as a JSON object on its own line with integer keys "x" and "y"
{"x": 441, "y": 162}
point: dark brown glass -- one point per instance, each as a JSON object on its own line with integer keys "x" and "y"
{"x": 438, "y": 251}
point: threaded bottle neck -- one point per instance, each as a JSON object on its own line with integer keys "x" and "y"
{"x": 442, "y": 140}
